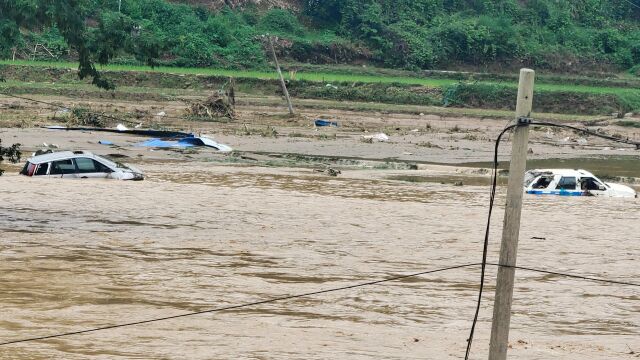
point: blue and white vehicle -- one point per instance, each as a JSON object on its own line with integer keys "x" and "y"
{"x": 569, "y": 182}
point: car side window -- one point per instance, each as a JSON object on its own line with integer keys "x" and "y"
{"x": 42, "y": 169}
{"x": 567, "y": 183}
{"x": 100, "y": 167}
{"x": 543, "y": 182}
{"x": 85, "y": 165}
{"x": 590, "y": 184}
{"x": 62, "y": 167}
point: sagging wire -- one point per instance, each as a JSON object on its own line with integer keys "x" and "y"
{"x": 233, "y": 307}
{"x": 483, "y": 264}
{"x": 64, "y": 108}
{"x": 588, "y": 132}
{"x": 580, "y": 277}
{"x": 524, "y": 121}
{"x": 573, "y": 276}
{"x": 492, "y": 196}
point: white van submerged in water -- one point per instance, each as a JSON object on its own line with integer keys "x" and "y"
{"x": 569, "y": 182}
{"x": 79, "y": 165}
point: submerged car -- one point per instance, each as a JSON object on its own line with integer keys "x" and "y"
{"x": 568, "y": 182}
{"x": 79, "y": 165}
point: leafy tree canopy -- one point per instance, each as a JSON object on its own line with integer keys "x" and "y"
{"x": 67, "y": 19}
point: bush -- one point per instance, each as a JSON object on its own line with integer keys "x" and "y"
{"x": 12, "y": 153}
{"x": 280, "y": 21}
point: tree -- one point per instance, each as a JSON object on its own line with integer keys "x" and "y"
{"x": 69, "y": 17}
{"x": 12, "y": 153}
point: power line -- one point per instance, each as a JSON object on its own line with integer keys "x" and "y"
{"x": 588, "y": 132}
{"x": 35, "y": 101}
{"x": 282, "y": 298}
{"x": 491, "y": 203}
{"x": 494, "y": 180}
{"x": 581, "y": 277}
{"x": 232, "y": 307}
{"x": 483, "y": 263}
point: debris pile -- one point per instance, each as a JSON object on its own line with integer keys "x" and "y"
{"x": 213, "y": 107}
{"x": 85, "y": 117}
{"x": 329, "y": 171}
{"x": 220, "y": 104}
{"x": 380, "y": 137}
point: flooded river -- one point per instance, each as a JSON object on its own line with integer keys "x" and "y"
{"x": 82, "y": 254}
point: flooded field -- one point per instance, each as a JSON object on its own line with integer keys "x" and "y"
{"x": 196, "y": 236}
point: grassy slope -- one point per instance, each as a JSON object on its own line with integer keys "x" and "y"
{"x": 566, "y": 98}
{"x": 332, "y": 77}
{"x": 82, "y": 92}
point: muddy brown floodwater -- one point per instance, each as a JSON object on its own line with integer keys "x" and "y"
{"x": 83, "y": 254}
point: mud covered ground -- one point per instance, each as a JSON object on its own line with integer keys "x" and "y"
{"x": 414, "y": 137}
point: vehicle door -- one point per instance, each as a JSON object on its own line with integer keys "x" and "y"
{"x": 593, "y": 186}
{"x": 568, "y": 186}
{"x": 63, "y": 168}
{"x": 42, "y": 169}
{"x": 90, "y": 168}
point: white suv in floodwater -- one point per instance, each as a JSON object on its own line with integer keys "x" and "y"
{"x": 79, "y": 165}
{"x": 569, "y": 182}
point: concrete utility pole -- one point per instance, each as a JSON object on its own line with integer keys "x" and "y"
{"x": 282, "y": 83}
{"x": 511, "y": 226}
{"x": 119, "y": 5}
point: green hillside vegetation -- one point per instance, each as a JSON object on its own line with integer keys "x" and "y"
{"x": 559, "y": 36}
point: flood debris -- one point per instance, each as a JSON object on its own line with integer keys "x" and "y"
{"x": 85, "y": 117}
{"x": 185, "y": 142}
{"x": 329, "y": 171}
{"x": 41, "y": 152}
{"x": 220, "y": 104}
{"x": 213, "y": 107}
{"x": 141, "y": 132}
{"x": 162, "y": 138}
{"x": 381, "y": 137}
{"x": 322, "y": 122}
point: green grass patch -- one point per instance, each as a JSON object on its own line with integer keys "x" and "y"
{"x": 165, "y": 83}
{"x": 327, "y": 77}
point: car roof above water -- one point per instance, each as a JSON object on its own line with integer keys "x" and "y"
{"x": 61, "y": 155}
{"x": 561, "y": 172}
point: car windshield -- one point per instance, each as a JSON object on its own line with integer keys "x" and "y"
{"x": 112, "y": 162}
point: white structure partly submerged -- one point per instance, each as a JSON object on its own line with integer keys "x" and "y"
{"x": 79, "y": 165}
{"x": 569, "y": 182}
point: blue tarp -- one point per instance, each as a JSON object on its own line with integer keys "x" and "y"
{"x": 189, "y": 141}
{"x": 320, "y": 122}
